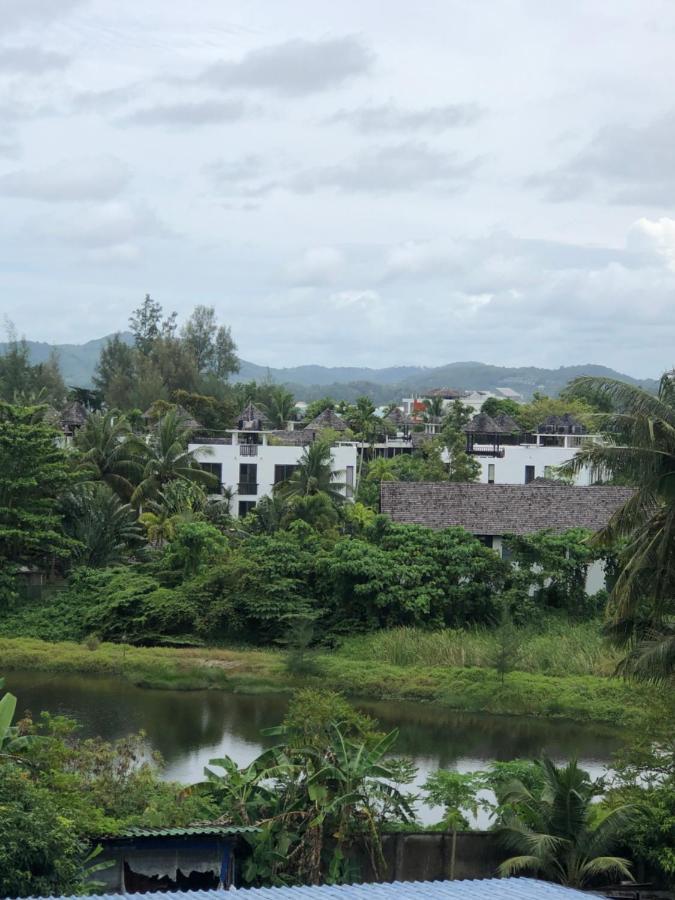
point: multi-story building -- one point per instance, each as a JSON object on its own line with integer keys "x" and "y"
{"x": 251, "y": 459}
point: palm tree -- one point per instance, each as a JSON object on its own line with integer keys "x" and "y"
{"x": 434, "y": 407}
{"x": 106, "y": 453}
{"x": 314, "y": 475}
{"x": 558, "y": 834}
{"x": 638, "y": 448}
{"x": 105, "y": 529}
{"x": 279, "y": 407}
{"x": 165, "y": 457}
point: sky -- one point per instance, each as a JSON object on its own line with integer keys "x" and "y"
{"x": 364, "y": 183}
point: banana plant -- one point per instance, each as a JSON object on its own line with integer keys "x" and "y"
{"x": 11, "y": 742}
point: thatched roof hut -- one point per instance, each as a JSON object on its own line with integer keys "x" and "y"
{"x": 73, "y": 416}
{"x": 327, "y": 419}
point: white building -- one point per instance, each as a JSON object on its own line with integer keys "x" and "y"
{"x": 474, "y": 399}
{"x": 522, "y": 463}
{"x": 250, "y": 460}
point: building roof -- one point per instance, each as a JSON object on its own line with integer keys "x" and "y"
{"x": 496, "y": 509}
{"x": 187, "y": 831}
{"x": 507, "y": 424}
{"x": 485, "y": 889}
{"x": 482, "y": 424}
{"x": 252, "y": 413}
{"x": 74, "y": 415}
{"x": 327, "y": 419}
{"x": 446, "y": 393}
{"x": 397, "y": 416}
{"x": 565, "y": 424}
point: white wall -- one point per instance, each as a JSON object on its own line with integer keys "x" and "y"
{"x": 510, "y": 469}
{"x": 229, "y": 456}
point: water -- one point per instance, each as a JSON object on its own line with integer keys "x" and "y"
{"x": 189, "y": 728}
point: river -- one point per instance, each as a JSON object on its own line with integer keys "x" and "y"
{"x": 189, "y": 728}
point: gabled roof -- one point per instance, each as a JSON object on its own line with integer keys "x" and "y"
{"x": 252, "y": 413}
{"x": 74, "y": 415}
{"x": 446, "y": 393}
{"x": 187, "y": 831}
{"x": 482, "y": 424}
{"x": 496, "y": 509}
{"x": 485, "y": 889}
{"x": 397, "y": 416}
{"x": 327, "y": 419}
{"x": 507, "y": 424}
{"x": 565, "y": 424}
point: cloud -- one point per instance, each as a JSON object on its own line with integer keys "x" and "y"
{"x": 391, "y": 118}
{"x": 105, "y": 225}
{"x": 624, "y": 163}
{"x": 243, "y": 177}
{"x": 69, "y": 181}
{"x": 104, "y": 101}
{"x": 20, "y": 13}
{"x": 653, "y": 239}
{"x": 317, "y": 265}
{"x": 392, "y": 169}
{"x": 295, "y": 68}
{"x": 188, "y": 113}
{"x": 30, "y": 60}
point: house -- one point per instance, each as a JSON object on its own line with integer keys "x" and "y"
{"x": 250, "y": 460}
{"x": 487, "y": 889}
{"x": 490, "y": 511}
{"x": 164, "y": 859}
{"x": 508, "y": 455}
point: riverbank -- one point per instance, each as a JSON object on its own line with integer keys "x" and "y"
{"x": 607, "y": 701}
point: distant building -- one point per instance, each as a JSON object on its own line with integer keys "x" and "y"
{"x": 490, "y": 511}
{"x": 474, "y": 399}
{"x": 250, "y": 460}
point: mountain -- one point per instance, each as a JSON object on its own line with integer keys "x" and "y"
{"x": 348, "y": 382}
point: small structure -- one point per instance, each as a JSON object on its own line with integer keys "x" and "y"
{"x": 490, "y": 511}
{"x": 327, "y": 419}
{"x": 252, "y": 418}
{"x": 487, "y": 889}
{"x": 72, "y": 418}
{"x": 165, "y": 859}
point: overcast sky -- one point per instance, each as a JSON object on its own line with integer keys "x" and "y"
{"x": 363, "y": 182}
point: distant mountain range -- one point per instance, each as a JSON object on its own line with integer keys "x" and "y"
{"x": 348, "y": 382}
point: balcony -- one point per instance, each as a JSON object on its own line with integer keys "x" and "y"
{"x": 248, "y": 488}
{"x": 248, "y": 449}
{"x": 476, "y": 450}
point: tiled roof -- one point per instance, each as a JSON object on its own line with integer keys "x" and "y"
{"x": 252, "y": 413}
{"x": 327, "y": 419}
{"x": 188, "y": 831}
{"x": 495, "y": 509}
{"x": 293, "y": 438}
{"x": 507, "y": 423}
{"x": 486, "y": 889}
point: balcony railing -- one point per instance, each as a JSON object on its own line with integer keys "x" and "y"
{"x": 248, "y": 488}
{"x": 497, "y": 452}
{"x": 248, "y": 449}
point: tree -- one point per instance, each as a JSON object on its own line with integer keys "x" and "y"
{"x": 462, "y": 466}
{"x": 195, "y": 545}
{"x": 115, "y": 366}
{"x": 34, "y": 472}
{"x": 165, "y": 457}
{"x": 106, "y": 453}
{"x": 557, "y": 833}
{"x": 146, "y": 324}
{"x": 638, "y": 448}
{"x": 434, "y": 406}
{"x": 316, "y": 407}
{"x": 494, "y": 406}
{"x": 26, "y": 384}
{"x": 279, "y": 407}
{"x": 212, "y": 347}
{"x": 314, "y": 474}
{"x": 104, "y": 528}
{"x": 507, "y": 646}
{"x": 532, "y": 414}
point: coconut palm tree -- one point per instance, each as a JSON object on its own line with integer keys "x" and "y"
{"x": 434, "y": 407}
{"x": 558, "y": 833}
{"x": 279, "y": 406}
{"x": 314, "y": 475}
{"x": 106, "y": 529}
{"x": 638, "y": 448}
{"x": 106, "y": 453}
{"x": 165, "y": 457}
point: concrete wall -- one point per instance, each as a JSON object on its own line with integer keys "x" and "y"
{"x": 510, "y": 469}
{"x": 229, "y": 456}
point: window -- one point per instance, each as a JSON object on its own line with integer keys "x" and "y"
{"x": 349, "y": 479}
{"x": 248, "y": 478}
{"x": 215, "y": 469}
{"x": 283, "y": 473}
{"x": 491, "y": 473}
{"x": 529, "y": 474}
{"x": 485, "y": 539}
{"x": 245, "y": 507}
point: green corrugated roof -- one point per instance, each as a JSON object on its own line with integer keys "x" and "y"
{"x": 188, "y": 831}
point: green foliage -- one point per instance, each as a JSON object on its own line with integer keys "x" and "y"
{"x": 457, "y": 793}
{"x": 507, "y": 646}
{"x": 21, "y": 382}
{"x": 556, "y": 833}
{"x": 493, "y": 406}
{"x": 314, "y": 475}
{"x": 532, "y": 414}
{"x": 33, "y": 473}
{"x": 106, "y": 453}
{"x": 105, "y": 530}
{"x": 194, "y": 546}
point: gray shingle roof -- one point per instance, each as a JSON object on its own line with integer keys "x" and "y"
{"x": 496, "y": 509}
{"x": 327, "y": 419}
{"x": 482, "y": 424}
{"x": 486, "y": 889}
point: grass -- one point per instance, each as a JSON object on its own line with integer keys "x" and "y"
{"x": 560, "y": 648}
{"x": 359, "y": 671}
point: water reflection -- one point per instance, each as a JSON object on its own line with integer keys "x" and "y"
{"x": 188, "y": 729}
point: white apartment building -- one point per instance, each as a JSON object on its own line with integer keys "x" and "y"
{"x": 522, "y": 463}
{"x": 250, "y": 462}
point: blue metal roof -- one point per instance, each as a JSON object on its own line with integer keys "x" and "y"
{"x": 485, "y": 889}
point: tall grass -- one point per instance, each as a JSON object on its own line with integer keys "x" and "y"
{"x": 562, "y": 648}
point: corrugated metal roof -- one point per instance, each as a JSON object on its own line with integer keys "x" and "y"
{"x": 486, "y": 889}
{"x": 188, "y": 831}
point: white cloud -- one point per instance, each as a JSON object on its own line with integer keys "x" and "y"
{"x": 68, "y": 181}
{"x": 30, "y": 60}
{"x": 389, "y": 117}
{"x": 317, "y": 265}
